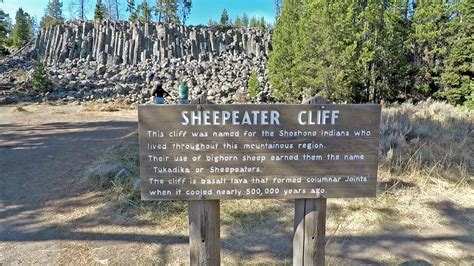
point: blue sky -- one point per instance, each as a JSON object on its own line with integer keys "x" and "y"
{"x": 201, "y": 12}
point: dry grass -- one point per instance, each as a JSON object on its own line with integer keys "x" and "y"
{"x": 111, "y": 107}
{"x": 425, "y": 192}
{"x": 19, "y": 109}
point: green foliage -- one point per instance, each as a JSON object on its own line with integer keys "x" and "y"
{"x": 254, "y": 85}
{"x": 100, "y": 11}
{"x": 429, "y": 22}
{"x": 53, "y": 15}
{"x": 458, "y": 70}
{"x": 373, "y": 50}
{"x": 281, "y": 63}
{"x": 238, "y": 22}
{"x": 185, "y": 10}
{"x": 259, "y": 23}
{"x": 245, "y": 20}
{"x": 212, "y": 23}
{"x": 22, "y": 31}
{"x": 224, "y": 21}
{"x": 5, "y": 29}
{"x": 166, "y": 11}
{"x": 39, "y": 78}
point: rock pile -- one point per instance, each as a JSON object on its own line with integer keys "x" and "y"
{"x": 108, "y": 61}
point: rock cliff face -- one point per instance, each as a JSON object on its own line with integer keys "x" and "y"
{"x": 106, "y": 61}
{"x": 133, "y": 43}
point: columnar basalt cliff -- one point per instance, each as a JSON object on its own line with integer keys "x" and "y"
{"x": 127, "y": 43}
{"x": 91, "y": 61}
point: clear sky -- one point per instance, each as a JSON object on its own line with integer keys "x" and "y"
{"x": 201, "y": 12}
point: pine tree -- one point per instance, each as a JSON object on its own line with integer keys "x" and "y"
{"x": 145, "y": 10}
{"x": 238, "y": 22}
{"x": 458, "y": 74}
{"x": 79, "y": 8}
{"x": 253, "y": 22}
{"x": 22, "y": 30}
{"x": 53, "y": 15}
{"x": 212, "y": 23}
{"x": 185, "y": 10}
{"x": 430, "y": 19}
{"x": 253, "y": 85}
{"x": 224, "y": 21}
{"x": 245, "y": 20}
{"x": 39, "y": 78}
{"x": 281, "y": 62}
{"x": 5, "y": 26}
{"x": 100, "y": 11}
{"x": 262, "y": 24}
{"x": 325, "y": 59}
{"x": 167, "y": 10}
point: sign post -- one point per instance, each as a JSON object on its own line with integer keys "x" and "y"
{"x": 205, "y": 152}
{"x": 309, "y": 239}
{"x": 204, "y": 224}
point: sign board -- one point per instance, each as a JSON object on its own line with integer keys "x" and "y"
{"x": 246, "y": 151}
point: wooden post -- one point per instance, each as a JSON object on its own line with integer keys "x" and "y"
{"x": 310, "y": 232}
{"x": 204, "y": 232}
{"x": 204, "y": 224}
{"x": 309, "y": 239}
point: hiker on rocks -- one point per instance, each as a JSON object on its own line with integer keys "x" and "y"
{"x": 159, "y": 93}
{"x": 150, "y": 76}
{"x": 183, "y": 92}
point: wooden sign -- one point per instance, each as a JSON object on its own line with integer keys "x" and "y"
{"x": 258, "y": 151}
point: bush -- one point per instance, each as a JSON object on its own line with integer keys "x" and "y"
{"x": 253, "y": 86}
{"x": 40, "y": 79}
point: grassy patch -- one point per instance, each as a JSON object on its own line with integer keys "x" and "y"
{"x": 110, "y": 107}
{"x": 425, "y": 164}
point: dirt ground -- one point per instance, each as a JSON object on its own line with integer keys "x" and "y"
{"x": 49, "y": 214}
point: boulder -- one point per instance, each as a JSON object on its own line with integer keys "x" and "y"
{"x": 105, "y": 173}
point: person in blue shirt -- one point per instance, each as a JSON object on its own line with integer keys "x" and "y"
{"x": 159, "y": 93}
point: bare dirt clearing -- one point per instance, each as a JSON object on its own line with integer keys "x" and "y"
{"x": 50, "y": 215}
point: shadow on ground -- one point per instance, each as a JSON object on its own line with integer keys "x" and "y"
{"x": 43, "y": 165}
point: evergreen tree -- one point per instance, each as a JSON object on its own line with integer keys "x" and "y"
{"x": 145, "y": 10}
{"x": 281, "y": 62}
{"x": 100, "y": 11}
{"x": 430, "y": 19}
{"x": 238, "y": 22}
{"x": 185, "y": 10}
{"x": 39, "y": 78}
{"x": 458, "y": 73}
{"x": 262, "y": 24}
{"x": 253, "y": 22}
{"x": 212, "y": 23}
{"x": 142, "y": 11}
{"x": 277, "y": 8}
{"x": 167, "y": 10}
{"x": 5, "y": 26}
{"x": 245, "y": 20}
{"x": 79, "y": 8}
{"x": 253, "y": 85}
{"x": 325, "y": 59}
{"x": 224, "y": 21}
{"x": 22, "y": 30}
{"x": 384, "y": 59}
{"x": 53, "y": 15}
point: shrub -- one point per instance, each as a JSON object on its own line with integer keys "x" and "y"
{"x": 253, "y": 86}
{"x": 39, "y": 78}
